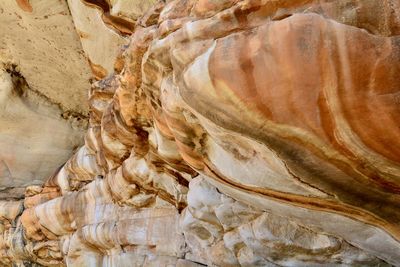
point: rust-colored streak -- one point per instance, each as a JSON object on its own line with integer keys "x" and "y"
{"x": 318, "y": 204}
{"x": 98, "y": 71}
{"x": 119, "y": 24}
{"x": 276, "y": 82}
{"x": 279, "y": 77}
{"x": 219, "y": 106}
{"x": 25, "y": 5}
{"x": 82, "y": 35}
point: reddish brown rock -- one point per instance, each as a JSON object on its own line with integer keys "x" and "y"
{"x": 233, "y": 133}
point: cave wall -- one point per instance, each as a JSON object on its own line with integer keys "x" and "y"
{"x": 43, "y": 105}
{"x": 219, "y": 133}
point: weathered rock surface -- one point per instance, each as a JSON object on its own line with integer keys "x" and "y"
{"x": 43, "y": 92}
{"x": 34, "y": 138}
{"x": 104, "y": 27}
{"x": 39, "y": 37}
{"x": 228, "y": 133}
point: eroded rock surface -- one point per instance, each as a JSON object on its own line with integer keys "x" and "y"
{"x": 34, "y": 138}
{"x": 39, "y": 37}
{"x": 44, "y": 78}
{"x": 230, "y": 133}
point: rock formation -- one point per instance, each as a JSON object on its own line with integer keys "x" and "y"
{"x": 223, "y": 133}
{"x": 43, "y": 89}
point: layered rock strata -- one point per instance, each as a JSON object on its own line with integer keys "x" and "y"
{"x": 232, "y": 133}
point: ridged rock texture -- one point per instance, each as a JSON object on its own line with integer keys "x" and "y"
{"x": 220, "y": 133}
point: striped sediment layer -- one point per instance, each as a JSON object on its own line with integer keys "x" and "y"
{"x": 253, "y": 133}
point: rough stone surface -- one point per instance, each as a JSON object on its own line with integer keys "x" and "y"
{"x": 39, "y": 37}
{"x": 228, "y": 133}
{"x": 34, "y": 138}
{"x": 44, "y": 78}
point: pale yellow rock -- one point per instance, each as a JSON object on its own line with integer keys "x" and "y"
{"x": 101, "y": 43}
{"x": 43, "y": 103}
{"x": 46, "y": 48}
{"x": 34, "y": 138}
{"x": 130, "y": 9}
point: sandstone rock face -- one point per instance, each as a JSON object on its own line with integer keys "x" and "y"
{"x": 104, "y": 27}
{"x": 227, "y": 133}
{"x": 39, "y": 37}
{"x": 43, "y": 92}
{"x": 34, "y": 138}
